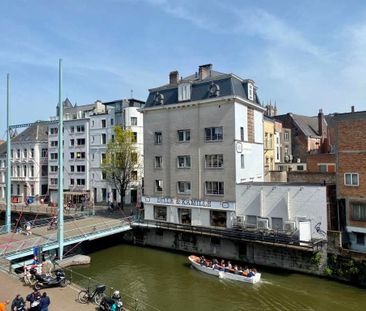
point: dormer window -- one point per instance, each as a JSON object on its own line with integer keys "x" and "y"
{"x": 158, "y": 99}
{"x": 250, "y": 91}
{"x": 184, "y": 91}
{"x": 214, "y": 90}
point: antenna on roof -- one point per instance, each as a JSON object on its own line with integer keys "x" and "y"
{"x": 131, "y": 93}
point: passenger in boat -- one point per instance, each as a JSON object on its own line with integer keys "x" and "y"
{"x": 246, "y": 271}
{"x": 229, "y": 266}
{"x": 252, "y": 272}
{"x": 236, "y": 270}
{"x": 203, "y": 261}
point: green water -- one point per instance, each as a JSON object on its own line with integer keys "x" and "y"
{"x": 165, "y": 280}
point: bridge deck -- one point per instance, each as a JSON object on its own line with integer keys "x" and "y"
{"x": 18, "y": 245}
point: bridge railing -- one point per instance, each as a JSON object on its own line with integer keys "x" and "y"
{"x": 47, "y": 239}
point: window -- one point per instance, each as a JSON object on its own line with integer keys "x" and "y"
{"x": 185, "y": 216}
{"x": 286, "y": 136}
{"x": 32, "y": 171}
{"x": 184, "y": 161}
{"x": 242, "y": 133}
{"x": 214, "y": 188}
{"x": 134, "y": 157}
{"x": 72, "y": 129}
{"x": 160, "y": 213}
{"x": 80, "y": 155}
{"x": 277, "y": 223}
{"x": 112, "y": 122}
{"x": 32, "y": 189}
{"x": 32, "y": 153}
{"x": 218, "y": 218}
{"x": 104, "y": 175}
{"x": 133, "y": 121}
{"x": 214, "y": 133}
{"x": 300, "y": 167}
{"x": 44, "y": 153}
{"x": 104, "y": 139}
{"x": 25, "y": 171}
{"x": 184, "y": 91}
{"x": 134, "y": 175}
{"x": 158, "y": 162}
{"x": 184, "y": 135}
{"x": 134, "y": 137}
{"x": 72, "y": 142}
{"x": 53, "y": 168}
{"x": 80, "y": 168}
{"x": 71, "y": 181}
{"x": 80, "y": 182}
{"x": 358, "y": 211}
{"x": 92, "y": 123}
{"x": 242, "y": 163}
{"x": 360, "y": 238}
{"x": 18, "y": 189}
{"x": 44, "y": 170}
{"x": 157, "y": 138}
{"x": 351, "y": 179}
{"x": 54, "y": 143}
{"x": 80, "y": 141}
{"x": 53, "y": 130}
{"x": 18, "y": 171}
{"x": 184, "y": 187}
{"x": 103, "y": 158}
{"x": 80, "y": 128}
{"x": 251, "y": 220}
{"x": 104, "y": 123}
{"x": 214, "y": 161}
{"x": 72, "y": 155}
{"x": 250, "y": 91}
{"x": 72, "y": 168}
{"x": 158, "y": 185}
{"x": 18, "y": 153}
{"x": 25, "y": 153}
{"x": 53, "y": 181}
{"x": 54, "y": 156}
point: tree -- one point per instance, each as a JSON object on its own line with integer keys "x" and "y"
{"x": 121, "y": 161}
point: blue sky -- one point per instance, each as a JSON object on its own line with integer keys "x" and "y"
{"x": 304, "y": 55}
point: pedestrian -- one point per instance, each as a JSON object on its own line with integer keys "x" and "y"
{"x": 3, "y": 305}
{"x": 28, "y": 228}
{"x": 18, "y": 303}
{"x": 45, "y": 302}
{"x": 34, "y": 299}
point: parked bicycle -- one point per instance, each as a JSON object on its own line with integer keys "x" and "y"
{"x": 95, "y": 296}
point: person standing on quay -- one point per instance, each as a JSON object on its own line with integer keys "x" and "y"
{"x": 3, "y": 305}
{"x": 45, "y": 302}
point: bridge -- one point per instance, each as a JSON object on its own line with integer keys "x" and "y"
{"x": 18, "y": 245}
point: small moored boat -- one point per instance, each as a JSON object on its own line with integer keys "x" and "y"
{"x": 195, "y": 261}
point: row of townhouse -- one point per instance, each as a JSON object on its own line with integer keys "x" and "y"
{"x": 205, "y": 148}
{"x": 87, "y": 131}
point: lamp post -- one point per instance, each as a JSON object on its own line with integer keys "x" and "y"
{"x": 8, "y": 158}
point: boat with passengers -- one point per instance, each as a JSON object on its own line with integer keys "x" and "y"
{"x": 210, "y": 267}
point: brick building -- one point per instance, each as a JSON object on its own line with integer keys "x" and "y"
{"x": 351, "y": 176}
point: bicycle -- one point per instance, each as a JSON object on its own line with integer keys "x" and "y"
{"x": 96, "y": 296}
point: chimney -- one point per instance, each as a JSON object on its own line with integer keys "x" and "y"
{"x": 352, "y": 108}
{"x": 204, "y": 71}
{"x": 320, "y": 122}
{"x": 174, "y": 77}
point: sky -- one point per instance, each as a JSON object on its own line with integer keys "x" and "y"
{"x": 302, "y": 55}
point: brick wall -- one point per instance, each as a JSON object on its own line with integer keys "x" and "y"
{"x": 311, "y": 177}
{"x": 250, "y": 125}
{"x": 313, "y": 160}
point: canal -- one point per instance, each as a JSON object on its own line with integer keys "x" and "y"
{"x": 165, "y": 280}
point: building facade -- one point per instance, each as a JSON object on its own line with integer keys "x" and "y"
{"x": 29, "y": 168}
{"x": 202, "y": 135}
{"x": 351, "y": 176}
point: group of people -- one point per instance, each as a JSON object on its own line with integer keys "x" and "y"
{"x": 37, "y": 302}
{"x": 222, "y": 266}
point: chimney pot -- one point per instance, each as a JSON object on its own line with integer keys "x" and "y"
{"x": 174, "y": 77}
{"x": 204, "y": 71}
{"x": 352, "y": 108}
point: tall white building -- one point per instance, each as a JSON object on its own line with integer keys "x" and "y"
{"x": 28, "y": 164}
{"x": 87, "y": 131}
{"x": 203, "y": 134}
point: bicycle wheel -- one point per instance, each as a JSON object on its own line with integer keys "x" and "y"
{"x": 83, "y": 296}
{"x": 98, "y": 298}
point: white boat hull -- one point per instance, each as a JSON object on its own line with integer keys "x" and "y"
{"x": 222, "y": 274}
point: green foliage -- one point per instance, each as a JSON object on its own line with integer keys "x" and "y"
{"x": 316, "y": 258}
{"x": 328, "y": 271}
{"x": 121, "y": 162}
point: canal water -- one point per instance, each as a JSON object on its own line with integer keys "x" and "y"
{"x": 166, "y": 281}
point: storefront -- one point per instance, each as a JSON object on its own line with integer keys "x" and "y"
{"x": 190, "y": 211}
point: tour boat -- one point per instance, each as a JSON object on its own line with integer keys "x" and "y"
{"x": 195, "y": 261}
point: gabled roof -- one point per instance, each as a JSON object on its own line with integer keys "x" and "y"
{"x": 37, "y": 132}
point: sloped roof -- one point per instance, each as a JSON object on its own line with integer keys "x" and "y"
{"x": 37, "y": 132}
{"x": 229, "y": 85}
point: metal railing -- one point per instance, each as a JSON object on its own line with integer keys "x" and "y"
{"x": 268, "y": 236}
{"x": 48, "y": 239}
